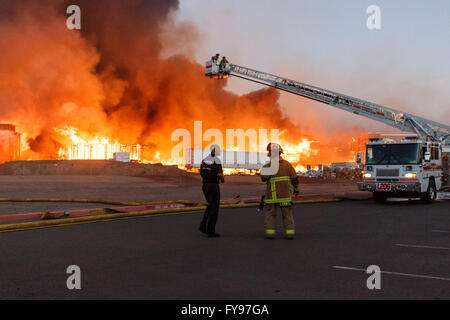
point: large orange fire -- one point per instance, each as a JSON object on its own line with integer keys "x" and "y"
{"x": 81, "y": 146}
{"x": 107, "y": 88}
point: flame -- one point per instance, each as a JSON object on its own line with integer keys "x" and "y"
{"x": 229, "y": 172}
{"x": 299, "y": 153}
{"x": 93, "y": 148}
{"x": 82, "y": 146}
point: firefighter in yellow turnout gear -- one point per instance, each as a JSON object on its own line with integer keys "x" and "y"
{"x": 278, "y": 192}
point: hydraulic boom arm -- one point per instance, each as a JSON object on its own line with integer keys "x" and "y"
{"x": 425, "y": 129}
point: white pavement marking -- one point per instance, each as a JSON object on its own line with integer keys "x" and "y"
{"x": 441, "y": 231}
{"x": 421, "y": 247}
{"x": 396, "y": 273}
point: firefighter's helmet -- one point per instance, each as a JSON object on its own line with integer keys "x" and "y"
{"x": 274, "y": 147}
{"x": 215, "y": 150}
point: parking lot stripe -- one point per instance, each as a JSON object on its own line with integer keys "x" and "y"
{"x": 421, "y": 247}
{"x": 395, "y": 273}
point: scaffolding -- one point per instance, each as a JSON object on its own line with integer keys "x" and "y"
{"x": 98, "y": 151}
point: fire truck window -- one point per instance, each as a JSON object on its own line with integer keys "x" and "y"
{"x": 393, "y": 154}
{"x": 370, "y": 153}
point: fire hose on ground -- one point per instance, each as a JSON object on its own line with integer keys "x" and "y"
{"x": 105, "y": 214}
{"x": 115, "y": 203}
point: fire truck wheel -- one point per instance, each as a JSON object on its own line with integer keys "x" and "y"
{"x": 380, "y": 197}
{"x": 431, "y": 194}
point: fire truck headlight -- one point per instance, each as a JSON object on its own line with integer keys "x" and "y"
{"x": 367, "y": 175}
{"x": 369, "y": 168}
{"x": 410, "y": 175}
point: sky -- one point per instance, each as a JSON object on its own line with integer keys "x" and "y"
{"x": 405, "y": 65}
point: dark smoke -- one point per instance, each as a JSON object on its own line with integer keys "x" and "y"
{"x": 110, "y": 80}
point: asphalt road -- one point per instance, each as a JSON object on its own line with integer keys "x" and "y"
{"x": 165, "y": 257}
{"x": 139, "y": 189}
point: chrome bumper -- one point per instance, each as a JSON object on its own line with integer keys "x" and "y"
{"x": 395, "y": 186}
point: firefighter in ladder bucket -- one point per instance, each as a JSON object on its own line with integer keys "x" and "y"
{"x": 278, "y": 193}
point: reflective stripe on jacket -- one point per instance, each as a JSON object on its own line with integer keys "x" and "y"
{"x": 279, "y": 186}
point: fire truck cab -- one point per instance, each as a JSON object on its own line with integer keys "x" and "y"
{"x": 409, "y": 168}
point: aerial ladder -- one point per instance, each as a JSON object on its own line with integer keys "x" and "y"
{"x": 429, "y": 132}
{"x": 424, "y": 128}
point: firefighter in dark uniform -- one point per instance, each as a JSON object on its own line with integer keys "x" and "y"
{"x": 212, "y": 174}
{"x": 215, "y": 58}
{"x": 279, "y": 194}
{"x": 223, "y": 64}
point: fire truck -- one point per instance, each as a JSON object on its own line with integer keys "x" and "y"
{"x": 414, "y": 166}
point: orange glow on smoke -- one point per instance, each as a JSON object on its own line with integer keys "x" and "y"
{"x": 111, "y": 92}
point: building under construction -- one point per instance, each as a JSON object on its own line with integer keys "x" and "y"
{"x": 9, "y": 143}
{"x": 103, "y": 151}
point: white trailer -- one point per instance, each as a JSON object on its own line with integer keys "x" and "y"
{"x": 229, "y": 159}
{"x": 122, "y": 156}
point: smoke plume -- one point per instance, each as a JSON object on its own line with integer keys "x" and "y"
{"x": 109, "y": 79}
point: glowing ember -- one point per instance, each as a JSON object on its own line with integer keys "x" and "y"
{"x": 229, "y": 172}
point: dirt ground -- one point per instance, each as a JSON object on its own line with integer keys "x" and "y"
{"x": 140, "y": 189}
